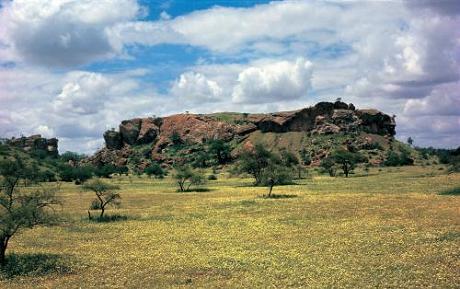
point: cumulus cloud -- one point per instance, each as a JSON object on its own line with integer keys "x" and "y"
{"x": 196, "y": 87}
{"x": 278, "y": 81}
{"x": 77, "y": 106}
{"x": 404, "y": 62}
{"x": 443, "y": 100}
{"x": 62, "y": 32}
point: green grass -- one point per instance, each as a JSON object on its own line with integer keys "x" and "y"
{"x": 388, "y": 229}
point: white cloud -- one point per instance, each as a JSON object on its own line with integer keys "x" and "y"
{"x": 196, "y": 87}
{"x": 278, "y": 81}
{"x": 62, "y": 32}
{"x": 77, "y": 106}
{"x": 443, "y": 100}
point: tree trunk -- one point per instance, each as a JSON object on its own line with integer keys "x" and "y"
{"x": 102, "y": 212}
{"x": 270, "y": 190}
{"x": 3, "y": 246}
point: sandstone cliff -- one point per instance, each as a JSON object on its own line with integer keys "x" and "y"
{"x": 157, "y": 134}
{"x": 35, "y": 143}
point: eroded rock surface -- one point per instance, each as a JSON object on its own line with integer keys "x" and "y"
{"x": 36, "y": 143}
{"x": 323, "y": 118}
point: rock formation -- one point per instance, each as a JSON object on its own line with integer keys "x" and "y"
{"x": 35, "y": 143}
{"x": 323, "y": 118}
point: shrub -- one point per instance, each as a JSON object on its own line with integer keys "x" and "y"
{"x": 306, "y": 157}
{"x": 212, "y": 177}
{"x": 155, "y": 170}
{"x": 78, "y": 174}
{"x": 328, "y": 165}
{"x": 187, "y": 177}
{"x": 451, "y": 192}
{"x": 220, "y": 151}
{"x": 393, "y": 159}
{"x": 71, "y": 156}
{"x": 105, "y": 171}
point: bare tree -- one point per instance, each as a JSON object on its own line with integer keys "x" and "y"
{"x": 105, "y": 196}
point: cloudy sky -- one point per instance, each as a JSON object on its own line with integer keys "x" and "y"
{"x": 74, "y": 68}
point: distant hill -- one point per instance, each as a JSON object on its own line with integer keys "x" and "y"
{"x": 312, "y": 132}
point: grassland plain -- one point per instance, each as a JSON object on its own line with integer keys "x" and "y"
{"x": 388, "y": 229}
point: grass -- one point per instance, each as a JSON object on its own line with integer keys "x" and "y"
{"x": 390, "y": 229}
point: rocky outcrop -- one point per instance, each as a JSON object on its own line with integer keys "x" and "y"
{"x": 323, "y": 118}
{"x": 113, "y": 140}
{"x": 35, "y": 143}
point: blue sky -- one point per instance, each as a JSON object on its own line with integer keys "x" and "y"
{"x": 73, "y": 69}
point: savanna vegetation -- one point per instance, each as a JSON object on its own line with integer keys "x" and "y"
{"x": 265, "y": 219}
{"x": 389, "y": 227}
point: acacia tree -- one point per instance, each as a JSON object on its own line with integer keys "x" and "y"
{"x": 267, "y": 168}
{"x": 255, "y": 162}
{"x": 276, "y": 174}
{"x": 328, "y": 164}
{"x": 186, "y": 177}
{"x": 105, "y": 196}
{"x": 19, "y": 208}
{"x": 347, "y": 160}
{"x": 220, "y": 150}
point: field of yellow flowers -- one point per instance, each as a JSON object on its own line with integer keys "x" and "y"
{"x": 386, "y": 229}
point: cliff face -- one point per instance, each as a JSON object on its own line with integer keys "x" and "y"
{"x": 322, "y": 119}
{"x": 35, "y": 143}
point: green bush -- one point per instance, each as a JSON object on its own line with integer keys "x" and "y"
{"x": 155, "y": 170}
{"x": 451, "y": 192}
{"x": 212, "y": 177}
{"x": 77, "y": 174}
{"x": 33, "y": 265}
{"x": 187, "y": 177}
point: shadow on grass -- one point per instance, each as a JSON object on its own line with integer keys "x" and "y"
{"x": 451, "y": 192}
{"x": 278, "y": 196}
{"x": 109, "y": 218}
{"x": 196, "y": 190}
{"x": 33, "y": 265}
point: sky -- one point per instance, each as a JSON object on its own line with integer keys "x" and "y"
{"x": 72, "y": 69}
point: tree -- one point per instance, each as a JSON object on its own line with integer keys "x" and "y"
{"x": 267, "y": 168}
{"x": 20, "y": 209}
{"x": 175, "y": 139}
{"x": 105, "y": 171}
{"x": 72, "y": 156}
{"x": 154, "y": 169}
{"x": 305, "y": 156}
{"x": 105, "y": 196}
{"x": 220, "y": 150}
{"x": 328, "y": 164}
{"x": 78, "y": 174}
{"x": 347, "y": 160}
{"x": 410, "y": 141}
{"x": 186, "y": 177}
{"x": 255, "y": 162}
{"x": 276, "y": 174}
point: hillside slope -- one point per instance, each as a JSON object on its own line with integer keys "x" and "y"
{"x": 314, "y": 131}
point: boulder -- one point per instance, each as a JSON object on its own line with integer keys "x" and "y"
{"x": 129, "y": 130}
{"x": 148, "y": 131}
{"x": 113, "y": 140}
